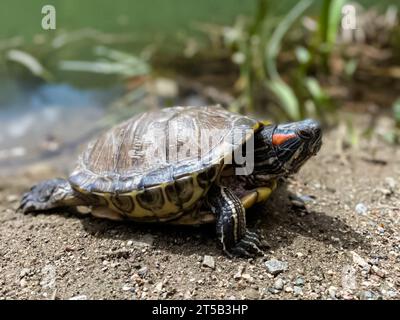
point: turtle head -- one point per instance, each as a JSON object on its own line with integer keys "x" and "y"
{"x": 286, "y": 147}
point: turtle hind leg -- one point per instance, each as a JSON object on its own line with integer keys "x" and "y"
{"x": 50, "y": 194}
{"x": 231, "y": 228}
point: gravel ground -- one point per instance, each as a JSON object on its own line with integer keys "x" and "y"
{"x": 344, "y": 244}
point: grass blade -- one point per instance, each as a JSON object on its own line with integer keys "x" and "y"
{"x": 286, "y": 98}
{"x": 274, "y": 44}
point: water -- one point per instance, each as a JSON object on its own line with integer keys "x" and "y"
{"x": 41, "y": 121}
{"x": 53, "y": 122}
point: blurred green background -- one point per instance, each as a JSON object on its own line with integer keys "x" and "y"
{"x": 107, "y": 60}
{"x": 22, "y": 18}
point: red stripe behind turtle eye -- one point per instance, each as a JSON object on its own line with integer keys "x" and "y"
{"x": 280, "y": 138}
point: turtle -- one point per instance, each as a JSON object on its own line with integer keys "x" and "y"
{"x": 180, "y": 165}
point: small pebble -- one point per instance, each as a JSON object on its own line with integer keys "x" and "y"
{"x": 278, "y": 284}
{"x": 378, "y": 272}
{"x": 299, "y": 282}
{"x": 288, "y": 289}
{"x": 390, "y": 293}
{"x": 208, "y": 261}
{"x": 347, "y": 296}
{"x": 361, "y": 209}
{"x": 187, "y": 295}
{"x": 142, "y": 272}
{"x": 298, "y": 291}
{"x": 247, "y": 277}
{"x": 275, "y": 267}
{"x": 306, "y": 198}
{"x": 159, "y": 286}
{"x": 251, "y": 293}
{"x": 332, "y": 292}
{"x": 80, "y": 297}
{"x": 126, "y": 288}
{"x": 381, "y": 229}
{"x": 23, "y": 283}
{"x": 298, "y": 203}
{"x": 238, "y": 274}
{"x": 273, "y": 290}
{"x": 367, "y": 295}
{"x": 385, "y": 192}
{"x": 359, "y": 260}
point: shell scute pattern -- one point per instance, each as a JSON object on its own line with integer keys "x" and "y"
{"x": 121, "y": 166}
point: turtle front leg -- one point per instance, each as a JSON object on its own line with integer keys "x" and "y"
{"x": 50, "y": 194}
{"x": 231, "y": 228}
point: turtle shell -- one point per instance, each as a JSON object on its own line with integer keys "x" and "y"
{"x": 159, "y": 147}
{"x": 158, "y": 165}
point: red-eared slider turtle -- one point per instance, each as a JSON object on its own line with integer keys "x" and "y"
{"x": 176, "y": 165}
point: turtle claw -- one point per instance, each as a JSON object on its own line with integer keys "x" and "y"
{"x": 30, "y": 204}
{"x": 249, "y": 246}
{"x": 40, "y": 197}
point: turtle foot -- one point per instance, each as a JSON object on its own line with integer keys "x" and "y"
{"x": 44, "y": 196}
{"x": 248, "y": 246}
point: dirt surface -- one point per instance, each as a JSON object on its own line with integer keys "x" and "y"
{"x": 344, "y": 245}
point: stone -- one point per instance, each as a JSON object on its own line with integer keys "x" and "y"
{"x": 142, "y": 272}
{"x": 79, "y": 297}
{"x": 208, "y": 261}
{"x": 299, "y": 282}
{"x": 273, "y": 290}
{"x": 297, "y": 291}
{"x": 251, "y": 293}
{"x": 332, "y": 292}
{"x": 159, "y": 286}
{"x": 279, "y": 284}
{"x": 23, "y": 283}
{"x": 379, "y": 272}
{"x": 367, "y": 295}
{"x": 126, "y": 288}
{"x": 288, "y": 289}
{"x": 359, "y": 260}
{"x": 361, "y": 209}
{"x": 349, "y": 278}
{"x": 275, "y": 267}
{"x": 247, "y": 277}
{"x": 238, "y": 274}
{"x": 143, "y": 242}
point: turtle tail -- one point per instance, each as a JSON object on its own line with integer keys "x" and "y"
{"x": 50, "y": 194}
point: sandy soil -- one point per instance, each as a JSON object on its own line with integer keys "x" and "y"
{"x": 344, "y": 245}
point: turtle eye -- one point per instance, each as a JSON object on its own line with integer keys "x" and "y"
{"x": 304, "y": 133}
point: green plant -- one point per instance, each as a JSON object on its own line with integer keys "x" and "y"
{"x": 328, "y": 27}
{"x": 285, "y": 95}
{"x": 257, "y": 45}
{"x": 111, "y": 61}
